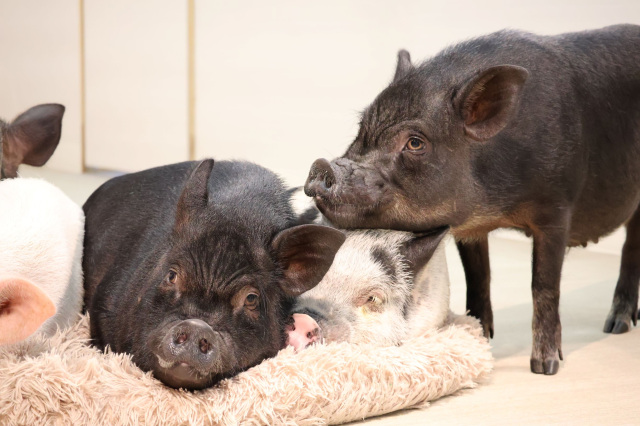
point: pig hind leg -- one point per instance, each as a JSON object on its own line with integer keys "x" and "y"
{"x": 477, "y": 270}
{"x": 624, "y": 309}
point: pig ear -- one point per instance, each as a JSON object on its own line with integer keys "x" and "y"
{"x": 23, "y": 309}
{"x": 305, "y": 252}
{"x": 34, "y": 135}
{"x": 195, "y": 194}
{"x": 404, "y": 65}
{"x": 488, "y": 100}
{"x": 419, "y": 249}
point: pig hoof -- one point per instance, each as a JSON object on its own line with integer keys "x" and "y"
{"x": 488, "y": 330}
{"x": 617, "y": 325}
{"x": 621, "y": 327}
{"x": 547, "y": 367}
{"x": 622, "y": 314}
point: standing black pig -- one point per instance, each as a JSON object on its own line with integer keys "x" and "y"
{"x": 509, "y": 130}
{"x": 193, "y": 268}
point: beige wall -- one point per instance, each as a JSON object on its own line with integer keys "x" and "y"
{"x": 40, "y": 63}
{"x": 280, "y": 83}
{"x": 136, "y": 83}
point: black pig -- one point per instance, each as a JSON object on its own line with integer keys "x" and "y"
{"x": 193, "y": 268}
{"x": 515, "y": 130}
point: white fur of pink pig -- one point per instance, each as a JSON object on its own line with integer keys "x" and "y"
{"x": 370, "y": 294}
{"x": 41, "y": 239}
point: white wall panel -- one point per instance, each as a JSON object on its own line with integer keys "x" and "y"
{"x": 281, "y": 83}
{"x": 136, "y": 83}
{"x": 40, "y": 63}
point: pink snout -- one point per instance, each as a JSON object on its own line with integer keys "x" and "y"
{"x": 303, "y": 332}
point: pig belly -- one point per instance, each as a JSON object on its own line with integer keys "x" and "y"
{"x": 600, "y": 216}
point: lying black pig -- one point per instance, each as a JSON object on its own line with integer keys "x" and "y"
{"x": 515, "y": 130}
{"x": 193, "y": 268}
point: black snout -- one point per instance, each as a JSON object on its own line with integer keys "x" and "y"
{"x": 321, "y": 178}
{"x": 188, "y": 355}
{"x": 192, "y": 338}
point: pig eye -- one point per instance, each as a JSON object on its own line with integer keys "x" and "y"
{"x": 374, "y": 300}
{"x": 414, "y": 144}
{"x": 251, "y": 301}
{"x": 172, "y": 276}
{"x": 374, "y": 304}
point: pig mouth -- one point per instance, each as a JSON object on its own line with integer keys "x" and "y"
{"x": 347, "y": 214}
{"x": 180, "y": 374}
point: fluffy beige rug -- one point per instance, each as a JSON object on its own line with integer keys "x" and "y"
{"x": 62, "y": 380}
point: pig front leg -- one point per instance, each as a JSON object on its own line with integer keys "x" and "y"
{"x": 477, "y": 270}
{"x": 624, "y": 309}
{"x": 549, "y": 245}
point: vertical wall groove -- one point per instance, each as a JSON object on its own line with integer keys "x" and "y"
{"x": 191, "y": 85}
{"x": 83, "y": 115}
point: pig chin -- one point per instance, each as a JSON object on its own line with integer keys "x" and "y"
{"x": 348, "y": 210}
{"x": 182, "y": 375}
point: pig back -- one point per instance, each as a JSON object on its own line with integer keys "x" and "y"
{"x": 129, "y": 216}
{"x": 41, "y": 232}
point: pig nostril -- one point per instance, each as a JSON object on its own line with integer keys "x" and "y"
{"x": 204, "y": 346}
{"x": 321, "y": 178}
{"x": 181, "y": 338}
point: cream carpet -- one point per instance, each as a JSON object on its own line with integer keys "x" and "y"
{"x": 64, "y": 381}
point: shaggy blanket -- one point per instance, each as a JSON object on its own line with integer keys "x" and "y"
{"x": 61, "y": 380}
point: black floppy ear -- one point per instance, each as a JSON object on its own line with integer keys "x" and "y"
{"x": 404, "y": 65}
{"x": 33, "y": 136}
{"x": 488, "y": 100}
{"x": 305, "y": 252}
{"x": 195, "y": 194}
{"x": 419, "y": 249}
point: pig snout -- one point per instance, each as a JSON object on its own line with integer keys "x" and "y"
{"x": 303, "y": 332}
{"x": 187, "y": 354}
{"x": 191, "y": 340}
{"x": 320, "y": 180}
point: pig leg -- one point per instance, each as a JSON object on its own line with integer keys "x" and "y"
{"x": 624, "y": 309}
{"x": 549, "y": 245}
{"x": 475, "y": 260}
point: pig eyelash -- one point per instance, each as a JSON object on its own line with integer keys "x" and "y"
{"x": 374, "y": 299}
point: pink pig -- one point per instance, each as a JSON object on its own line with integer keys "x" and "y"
{"x": 41, "y": 232}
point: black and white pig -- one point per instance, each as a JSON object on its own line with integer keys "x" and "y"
{"x": 508, "y": 130}
{"x": 382, "y": 288}
{"x": 193, "y": 268}
{"x": 41, "y": 231}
